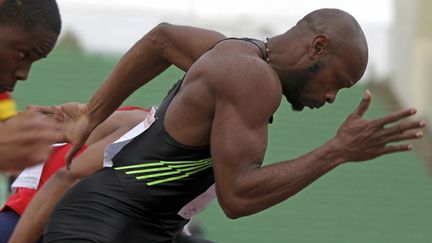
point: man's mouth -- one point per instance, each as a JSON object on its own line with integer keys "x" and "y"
{"x": 314, "y": 105}
{"x": 4, "y": 89}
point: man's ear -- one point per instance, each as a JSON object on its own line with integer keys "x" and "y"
{"x": 318, "y": 46}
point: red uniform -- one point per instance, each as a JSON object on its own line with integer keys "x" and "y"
{"x": 22, "y": 196}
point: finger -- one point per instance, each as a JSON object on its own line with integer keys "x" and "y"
{"x": 405, "y": 136}
{"x": 364, "y": 104}
{"x": 42, "y": 109}
{"x": 402, "y": 127}
{"x": 396, "y": 116}
{"x": 396, "y": 148}
{"x": 71, "y": 153}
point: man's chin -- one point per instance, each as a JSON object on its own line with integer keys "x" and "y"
{"x": 5, "y": 89}
{"x": 297, "y": 107}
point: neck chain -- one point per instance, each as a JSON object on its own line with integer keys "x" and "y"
{"x": 267, "y": 51}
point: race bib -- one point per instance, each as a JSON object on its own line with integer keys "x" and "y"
{"x": 112, "y": 149}
{"x": 30, "y": 177}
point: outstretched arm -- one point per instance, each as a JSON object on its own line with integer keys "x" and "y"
{"x": 245, "y": 187}
{"x": 163, "y": 46}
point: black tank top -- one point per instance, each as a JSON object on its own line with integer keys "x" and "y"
{"x": 155, "y": 160}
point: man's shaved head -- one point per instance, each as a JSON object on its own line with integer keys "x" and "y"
{"x": 324, "y": 52}
{"x": 342, "y": 29}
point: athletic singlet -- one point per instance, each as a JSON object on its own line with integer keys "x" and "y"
{"x": 178, "y": 179}
{"x": 154, "y": 185}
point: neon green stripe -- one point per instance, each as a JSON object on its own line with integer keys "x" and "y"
{"x": 161, "y": 169}
{"x": 138, "y": 166}
{"x": 191, "y": 168}
{"x": 182, "y": 166}
{"x": 172, "y": 168}
{"x": 152, "y": 183}
{"x": 166, "y": 180}
{"x": 165, "y": 168}
{"x": 147, "y": 170}
{"x": 157, "y": 175}
{"x": 193, "y": 172}
{"x": 163, "y": 163}
{"x": 187, "y": 162}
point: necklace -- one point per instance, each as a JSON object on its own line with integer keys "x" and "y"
{"x": 267, "y": 51}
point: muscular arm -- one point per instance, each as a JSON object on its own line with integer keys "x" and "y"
{"x": 33, "y": 221}
{"x": 239, "y": 139}
{"x": 164, "y": 45}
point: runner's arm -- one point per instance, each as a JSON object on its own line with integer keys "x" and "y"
{"x": 33, "y": 221}
{"x": 239, "y": 139}
{"x": 163, "y": 46}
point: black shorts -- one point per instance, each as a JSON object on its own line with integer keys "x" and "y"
{"x": 100, "y": 209}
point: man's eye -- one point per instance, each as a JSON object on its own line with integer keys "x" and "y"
{"x": 22, "y": 54}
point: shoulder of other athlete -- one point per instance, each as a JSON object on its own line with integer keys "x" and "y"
{"x": 119, "y": 119}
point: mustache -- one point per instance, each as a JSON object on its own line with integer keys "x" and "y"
{"x": 294, "y": 90}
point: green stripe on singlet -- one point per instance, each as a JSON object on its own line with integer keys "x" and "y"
{"x": 165, "y": 170}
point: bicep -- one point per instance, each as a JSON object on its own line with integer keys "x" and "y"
{"x": 185, "y": 44}
{"x": 238, "y": 144}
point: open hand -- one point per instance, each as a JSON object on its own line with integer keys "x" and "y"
{"x": 26, "y": 139}
{"x": 366, "y": 139}
{"x": 75, "y": 124}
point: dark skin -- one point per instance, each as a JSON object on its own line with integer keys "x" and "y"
{"x": 28, "y": 134}
{"x": 19, "y": 49}
{"x": 31, "y": 224}
{"x": 230, "y": 92}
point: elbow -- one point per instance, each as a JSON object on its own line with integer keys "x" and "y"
{"x": 66, "y": 176}
{"x": 162, "y": 26}
{"x": 157, "y": 37}
{"x": 158, "y": 33}
{"x": 234, "y": 207}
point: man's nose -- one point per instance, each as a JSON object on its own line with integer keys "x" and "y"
{"x": 23, "y": 71}
{"x": 330, "y": 97}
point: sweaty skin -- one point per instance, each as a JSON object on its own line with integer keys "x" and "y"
{"x": 230, "y": 92}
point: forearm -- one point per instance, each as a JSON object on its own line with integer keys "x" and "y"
{"x": 139, "y": 65}
{"x": 262, "y": 187}
{"x": 163, "y": 46}
{"x": 32, "y": 223}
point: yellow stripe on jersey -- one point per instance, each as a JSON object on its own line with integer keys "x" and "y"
{"x": 7, "y": 109}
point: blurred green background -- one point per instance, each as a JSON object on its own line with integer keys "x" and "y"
{"x": 384, "y": 200}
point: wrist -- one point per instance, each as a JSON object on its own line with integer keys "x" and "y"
{"x": 335, "y": 152}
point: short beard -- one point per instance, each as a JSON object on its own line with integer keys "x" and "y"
{"x": 293, "y": 91}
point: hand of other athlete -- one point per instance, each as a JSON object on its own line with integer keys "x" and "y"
{"x": 26, "y": 140}
{"x": 363, "y": 139}
{"x": 75, "y": 124}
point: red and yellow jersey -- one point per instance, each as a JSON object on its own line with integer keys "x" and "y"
{"x": 22, "y": 197}
{"x": 8, "y": 106}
